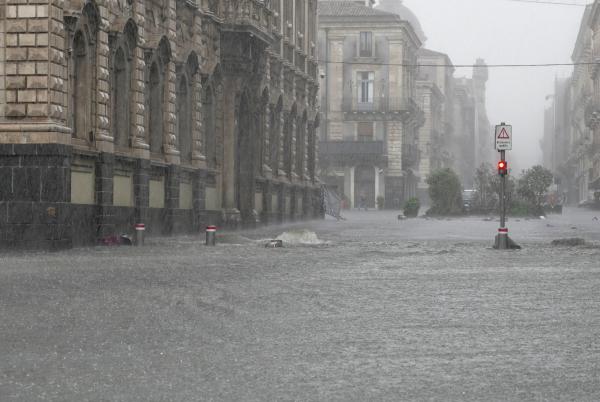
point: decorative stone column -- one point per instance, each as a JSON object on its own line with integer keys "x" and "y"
{"x": 198, "y": 158}
{"x": 199, "y": 200}
{"x": 266, "y": 126}
{"x": 104, "y": 140}
{"x": 171, "y": 198}
{"x": 139, "y": 142}
{"x": 105, "y": 225}
{"x": 282, "y": 133}
{"x": 170, "y": 116}
{"x": 292, "y": 154}
{"x": 141, "y": 190}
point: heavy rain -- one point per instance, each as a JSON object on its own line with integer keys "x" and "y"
{"x": 299, "y": 200}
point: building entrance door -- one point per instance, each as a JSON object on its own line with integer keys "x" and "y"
{"x": 364, "y": 186}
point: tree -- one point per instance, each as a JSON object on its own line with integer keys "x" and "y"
{"x": 445, "y": 192}
{"x": 511, "y": 186}
{"x": 485, "y": 195}
{"x": 533, "y": 186}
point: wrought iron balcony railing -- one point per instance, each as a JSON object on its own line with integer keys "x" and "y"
{"x": 352, "y": 152}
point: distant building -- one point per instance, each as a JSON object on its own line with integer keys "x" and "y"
{"x": 473, "y": 140}
{"x": 580, "y": 178}
{"x": 557, "y": 141}
{"x": 435, "y": 88}
{"x": 369, "y": 144}
{"x": 571, "y": 142}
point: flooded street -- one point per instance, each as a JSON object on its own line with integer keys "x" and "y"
{"x": 370, "y": 308}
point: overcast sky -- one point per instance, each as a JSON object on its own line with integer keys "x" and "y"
{"x": 507, "y": 32}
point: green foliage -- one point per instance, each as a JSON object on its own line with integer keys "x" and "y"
{"x": 519, "y": 208}
{"x": 411, "y": 208}
{"x": 486, "y": 196}
{"x": 445, "y": 192}
{"x": 533, "y": 187}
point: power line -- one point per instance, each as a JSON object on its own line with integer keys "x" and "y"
{"x": 520, "y": 65}
{"x": 556, "y": 3}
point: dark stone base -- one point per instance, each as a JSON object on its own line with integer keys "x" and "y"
{"x": 36, "y": 210}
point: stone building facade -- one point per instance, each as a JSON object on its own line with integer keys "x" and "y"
{"x": 473, "y": 141}
{"x": 172, "y": 113}
{"x": 369, "y": 137}
{"x": 571, "y": 119}
{"x": 435, "y": 89}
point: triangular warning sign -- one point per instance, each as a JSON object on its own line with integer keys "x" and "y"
{"x": 503, "y": 135}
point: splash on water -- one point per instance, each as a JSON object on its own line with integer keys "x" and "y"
{"x": 300, "y": 238}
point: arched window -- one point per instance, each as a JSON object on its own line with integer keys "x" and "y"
{"x": 82, "y": 82}
{"x": 155, "y": 94}
{"x": 82, "y": 64}
{"x": 208, "y": 125}
{"x": 122, "y": 47}
{"x": 155, "y": 110}
{"x": 120, "y": 98}
{"x": 184, "y": 120}
{"x": 287, "y": 142}
{"x": 275, "y": 140}
{"x": 262, "y": 134}
{"x": 300, "y": 147}
{"x": 312, "y": 139}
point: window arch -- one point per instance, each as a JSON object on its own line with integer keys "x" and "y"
{"x": 82, "y": 82}
{"x": 208, "y": 125}
{"x": 262, "y": 134}
{"x": 288, "y": 141}
{"x": 155, "y": 94}
{"x": 121, "y": 92}
{"x": 184, "y": 119}
{"x": 187, "y": 75}
{"x": 275, "y": 140}
{"x": 122, "y": 47}
{"x": 300, "y": 144}
{"x": 82, "y": 71}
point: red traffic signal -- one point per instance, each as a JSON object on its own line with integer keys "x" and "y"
{"x": 502, "y": 168}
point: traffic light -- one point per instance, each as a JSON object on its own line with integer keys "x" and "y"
{"x": 502, "y": 168}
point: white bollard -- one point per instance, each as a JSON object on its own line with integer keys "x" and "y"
{"x": 140, "y": 228}
{"x": 211, "y": 235}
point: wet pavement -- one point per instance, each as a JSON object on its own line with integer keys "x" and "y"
{"x": 370, "y": 308}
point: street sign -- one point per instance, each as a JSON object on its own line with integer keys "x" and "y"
{"x": 503, "y": 137}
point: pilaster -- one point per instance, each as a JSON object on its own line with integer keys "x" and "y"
{"x": 171, "y": 197}
{"x": 141, "y": 190}
{"x": 266, "y": 124}
{"x": 104, "y": 139}
{"x": 104, "y": 195}
{"x": 32, "y": 85}
{"x": 285, "y": 122}
{"x": 139, "y": 142}
{"x": 198, "y": 158}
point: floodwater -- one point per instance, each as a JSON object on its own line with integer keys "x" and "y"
{"x": 370, "y": 308}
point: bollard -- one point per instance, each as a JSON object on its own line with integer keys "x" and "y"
{"x": 211, "y": 235}
{"x": 140, "y": 228}
{"x": 502, "y": 239}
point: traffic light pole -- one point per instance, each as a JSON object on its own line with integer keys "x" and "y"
{"x": 503, "y": 135}
{"x": 503, "y": 194}
{"x": 502, "y": 241}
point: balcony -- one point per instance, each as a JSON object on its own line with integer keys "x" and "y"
{"x": 352, "y": 153}
{"x": 380, "y": 108}
{"x": 253, "y": 16}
